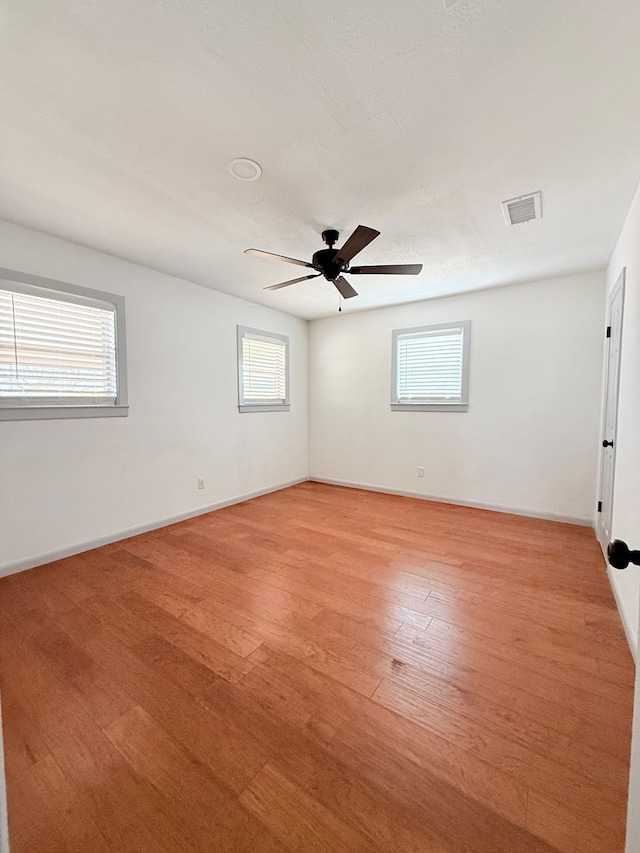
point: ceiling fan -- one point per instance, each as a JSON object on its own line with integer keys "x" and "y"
{"x": 331, "y": 263}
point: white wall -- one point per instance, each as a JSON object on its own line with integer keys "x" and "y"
{"x": 529, "y": 439}
{"x": 68, "y": 482}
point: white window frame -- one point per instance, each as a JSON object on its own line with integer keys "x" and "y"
{"x": 459, "y": 406}
{"x": 268, "y": 405}
{"x": 22, "y": 282}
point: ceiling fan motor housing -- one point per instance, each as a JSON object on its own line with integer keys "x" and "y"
{"x": 323, "y": 261}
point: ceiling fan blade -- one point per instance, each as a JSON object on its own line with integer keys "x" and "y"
{"x": 387, "y": 269}
{"x": 293, "y": 281}
{"x": 346, "y": 291}
{"x": 260, "y": 254}
{"x": 360, "y": 238}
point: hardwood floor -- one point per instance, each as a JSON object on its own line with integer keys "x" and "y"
{"x": 320, "y": 669}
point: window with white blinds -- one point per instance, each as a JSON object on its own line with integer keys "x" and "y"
{"x": 431, "y": 367}
{"x": 59, "y": 349}
{"x": 263, "y": 371}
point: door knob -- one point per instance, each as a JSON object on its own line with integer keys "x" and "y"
{"x": 606, "y": 443}
{"x": 620, "y": 555}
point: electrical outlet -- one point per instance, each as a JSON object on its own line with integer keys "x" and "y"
{"x": 201, "y": 482}
{"x": 420, "y": 471}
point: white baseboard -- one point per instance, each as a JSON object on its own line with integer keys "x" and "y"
{"x": 69, "y": 551}
{"x": 4, "y": 823}
{"x": 630, "y": 625}
{"x": 510, "y": 510}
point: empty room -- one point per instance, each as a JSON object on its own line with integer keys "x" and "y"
{"x": 319, "y": 426}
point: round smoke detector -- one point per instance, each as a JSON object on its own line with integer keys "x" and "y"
{"x": 244, "y": 169}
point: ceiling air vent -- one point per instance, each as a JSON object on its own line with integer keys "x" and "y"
{"x": 524, "y": 208}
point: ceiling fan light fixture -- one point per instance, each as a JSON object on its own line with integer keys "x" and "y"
{"x": 244, "y": 169}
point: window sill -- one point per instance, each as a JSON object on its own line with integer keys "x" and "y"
{"x": 429, "y": 407}
{"x": 41, "y": 413}
{"x": 265, "y": 407}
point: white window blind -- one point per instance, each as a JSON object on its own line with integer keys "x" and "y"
{"x": 430, "y": 366}
{"x": 263, "y": 369}
{"x": 56, "y": 350}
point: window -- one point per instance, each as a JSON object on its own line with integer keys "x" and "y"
{"x": 431, "y": 368}
{"x": 263, "y": 371}
{"x": 62, "y": 350}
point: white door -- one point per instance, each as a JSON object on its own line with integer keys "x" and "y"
{"x": 608, "y": 454}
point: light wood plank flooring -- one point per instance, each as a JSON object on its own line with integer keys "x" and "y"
{"x": 320, "y": 669}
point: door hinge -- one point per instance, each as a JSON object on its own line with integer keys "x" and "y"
{"x": 599, "y": 506}
{"x": 608, "y": 331}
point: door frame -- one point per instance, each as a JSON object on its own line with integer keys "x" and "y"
{"x": 617, "y": 291}
{"x": 633, "y": 821}
{"x": 4, "y": 823}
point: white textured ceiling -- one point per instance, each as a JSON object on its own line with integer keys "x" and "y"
{"x": 118, "y": 119}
